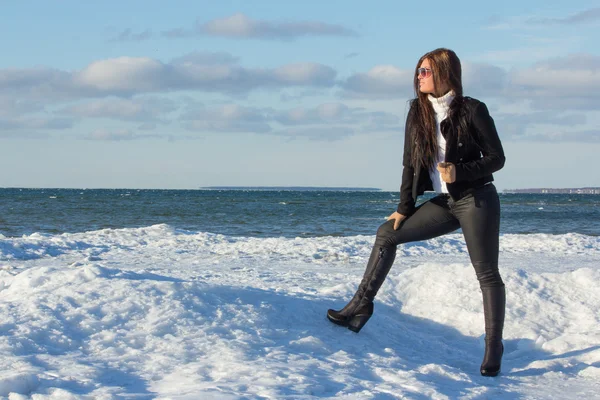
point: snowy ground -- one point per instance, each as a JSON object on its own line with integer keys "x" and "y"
{"x": 158, "y": 313}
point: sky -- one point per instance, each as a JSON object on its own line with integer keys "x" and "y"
{"x": 141, "y": 94}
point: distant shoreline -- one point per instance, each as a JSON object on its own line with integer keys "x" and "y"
{"x": 584, "y": 190}
{"x": 294, "y": 188}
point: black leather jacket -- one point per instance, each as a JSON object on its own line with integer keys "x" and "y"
{"x": 476, "y": 156}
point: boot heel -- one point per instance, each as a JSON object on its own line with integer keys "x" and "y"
{"x": 492, "y": 361}
{"x": 357, "y": 322}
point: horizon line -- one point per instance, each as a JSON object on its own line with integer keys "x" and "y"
{"x": 234, "y": 187}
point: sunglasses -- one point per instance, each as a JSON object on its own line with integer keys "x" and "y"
{"x": 423, "y": 72}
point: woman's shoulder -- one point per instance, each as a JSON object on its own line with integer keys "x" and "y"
{"x": 413, "y": 106}
{"x": 471, "y": 101}
{"x": 413, "y": 103}
{"x": 473, "y": 105}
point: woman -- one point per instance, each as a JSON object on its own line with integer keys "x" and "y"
{"x": 450, "y": 146}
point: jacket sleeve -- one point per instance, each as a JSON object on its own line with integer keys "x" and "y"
{"x": 407, "y": 203}
{"x": 486, "y": 137}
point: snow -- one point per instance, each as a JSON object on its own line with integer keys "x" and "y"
{"x": 168, "y": 314}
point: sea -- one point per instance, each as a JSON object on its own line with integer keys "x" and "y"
{"x": 264, "y": 213}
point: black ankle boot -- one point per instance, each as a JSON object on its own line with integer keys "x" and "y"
{"x": 360, "y": 317}
{"x": 492, "y": 359}
{"x": 494, "y": 304}
{"x": 353, "y": 321}
{"x": 358, "y": 311}
{"x": 343, "y": 316}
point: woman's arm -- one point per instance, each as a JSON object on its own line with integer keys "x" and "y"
{"x": 407, "y": 203}
{"x": 487, "y": 138}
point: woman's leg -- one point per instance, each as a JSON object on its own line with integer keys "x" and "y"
{"x": 479, "y": 216}
{"x": 430, "y": 220}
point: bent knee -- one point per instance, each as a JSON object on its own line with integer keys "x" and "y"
{"x": 490, "y": 280}
{"x": 488, "y": 275}
{"x": 385, "y": 234}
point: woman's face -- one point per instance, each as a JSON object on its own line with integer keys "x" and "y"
{"x": 425, "y": 77}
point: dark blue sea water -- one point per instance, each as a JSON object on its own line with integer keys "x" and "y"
{"x": 263, "y": 213}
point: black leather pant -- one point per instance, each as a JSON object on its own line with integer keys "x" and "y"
{"x": 477, "y": 214}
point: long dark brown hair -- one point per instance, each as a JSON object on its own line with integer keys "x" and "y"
{"x": 447, "y": 74}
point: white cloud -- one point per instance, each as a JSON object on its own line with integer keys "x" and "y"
{"x": 572, "y": 76}
{"x": 553, "y": 90}
{"x": 323, "y": 113}
{"x": 537, "y": 125}
{"x": 38, "y": 83}
{"x": 329, "y": 121}
{"x": 295, "y": 95}
{"x": 19, "y": 134}
{"x": 227, "y": 118}
{"x": 126, "y": 76}
{"x": 105, "y": 134}
{"x": 585, "y": 16}
{"x": 137, "y": 109}
{"x": 336, "y": 113}
{"x": 205, "y": 58}
{"x": 117, "y": 135}
{"x": 532, "y": 49}
{"x": 484, "y": 80}
{"x": 230, "y": 78}
{"x": 34, "y": 99}
{"x": 379, "y": 121}
{"x": 20, "y": 123}
{"x": 564, "y": 83}
{"x": 385, "y": 81}
{"x": 380, "y": 81}
{"x": 302, "y": 73}
{"x": 241, "y": 26}
{"x": 333, "y": 121}
{"x": 531, "y": 22}
{"x": 11, "y": 107}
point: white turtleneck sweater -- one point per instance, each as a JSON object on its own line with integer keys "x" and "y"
{"x": 440, "y": 106}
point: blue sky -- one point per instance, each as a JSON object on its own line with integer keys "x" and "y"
{"x": 145, "y": 94}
